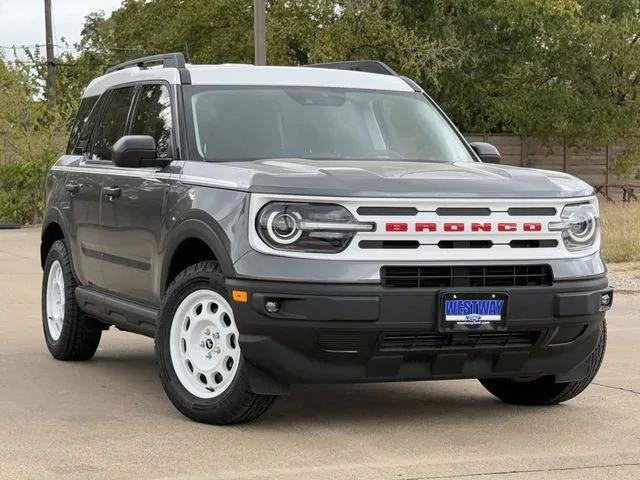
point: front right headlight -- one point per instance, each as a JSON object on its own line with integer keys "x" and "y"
{"x": 308, "y": 227}
{"x": 579, "y": 226}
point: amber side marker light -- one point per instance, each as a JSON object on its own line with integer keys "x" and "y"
{"x": 239, "y": 296}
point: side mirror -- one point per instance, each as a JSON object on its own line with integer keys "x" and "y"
{"x": 487, "y": 152}
{"x": 135, "y": 151}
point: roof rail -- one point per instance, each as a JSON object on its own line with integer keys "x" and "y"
{"x": 369, "y": 66}
{"x": 167, "y": 60}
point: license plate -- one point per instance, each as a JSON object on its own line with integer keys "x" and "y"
{"x": 462, "y": 311}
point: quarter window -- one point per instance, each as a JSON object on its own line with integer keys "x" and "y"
{"x": 153, "y": 117}
{"x": 113, "y": 123}
{"x": 86, "y": 105}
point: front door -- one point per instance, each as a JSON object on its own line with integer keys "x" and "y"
{"x": 133, "y": 205}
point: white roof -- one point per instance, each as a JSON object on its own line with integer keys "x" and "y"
{"x": 252, "y": 75}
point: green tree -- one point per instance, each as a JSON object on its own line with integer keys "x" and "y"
{"x": 540, "y": 67}
{"x": 31, "y": 137}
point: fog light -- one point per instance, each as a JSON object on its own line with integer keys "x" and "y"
{"x": 272, "y": 306}
{"x": 605, "y": 300}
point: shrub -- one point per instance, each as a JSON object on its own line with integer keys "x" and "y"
{"x": 30, "y": 140}
{"x": 22, "y": 191}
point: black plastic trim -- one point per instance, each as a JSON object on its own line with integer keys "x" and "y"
{"x": 463, "y": 212}
{"x": 532, "y": 211}
{"x": 318, "y": 349}
{"x": 391, "y": 211}
{"x": 369, "y": 66}
{"x": 124, "y": 314}
{"x": 447, "y": 244}
{"x": 318, "y": 307}
{"x": 533, "y": 243}
{"x": 389, "y": 244}
{"x": 168, "y": 60}
{"x": 202, "y": 227}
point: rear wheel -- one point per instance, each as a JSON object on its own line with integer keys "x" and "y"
{"x": 544, "y": 390}
{"x": 198, "y": 353}
{"x": 68, "y": 334}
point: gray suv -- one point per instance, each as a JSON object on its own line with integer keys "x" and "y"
{"x": 272, "y": 226}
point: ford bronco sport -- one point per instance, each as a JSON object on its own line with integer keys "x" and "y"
{"x": 272, "y": 226}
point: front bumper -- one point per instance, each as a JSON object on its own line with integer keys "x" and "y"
{"x": 343, "y": 333}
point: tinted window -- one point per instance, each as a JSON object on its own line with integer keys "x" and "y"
{"x": 244, "y": 123}
{"x": 86, "y": 105}
{"x": 82, "y": 145}
{"x": 153, "y": 117}
{"x": 113, "y": 123}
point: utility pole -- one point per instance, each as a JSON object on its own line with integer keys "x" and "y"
{"x": 51, "y": 67}
{"x": 259, "y": 33}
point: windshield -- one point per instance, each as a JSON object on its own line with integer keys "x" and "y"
{"x": 248, "y": 123}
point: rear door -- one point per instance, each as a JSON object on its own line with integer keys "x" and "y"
{"x": 133, "y": 204}
{"x": 81, "y": 205}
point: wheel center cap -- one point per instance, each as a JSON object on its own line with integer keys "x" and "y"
{"x": 208, "y": 343}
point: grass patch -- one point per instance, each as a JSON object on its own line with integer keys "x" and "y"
{"x": 620, "y": 231}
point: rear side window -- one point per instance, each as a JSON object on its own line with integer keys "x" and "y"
{"x": 113, "y": 123}
{"x": 153, "y": 117}
{"x": 86, "y": 105}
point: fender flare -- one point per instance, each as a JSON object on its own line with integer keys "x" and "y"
{"x": 201, "y": 226}
{"x": 51, "y": 216}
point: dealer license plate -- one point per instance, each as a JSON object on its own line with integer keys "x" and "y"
{"x": 464, "y": 311}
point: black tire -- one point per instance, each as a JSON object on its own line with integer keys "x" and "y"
{"x": 544, "y": 390}
{"x": 79, "y": 337}
{"x": 238, "y": 403}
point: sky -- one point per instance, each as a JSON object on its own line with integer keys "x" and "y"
{"x": 22, "y": 21}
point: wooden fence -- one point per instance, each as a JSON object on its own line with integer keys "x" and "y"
{"x": 592, "y": 164}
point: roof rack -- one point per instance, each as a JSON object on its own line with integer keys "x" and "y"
{"x": 368, "y": 66}
{"x": 167, "y": 60}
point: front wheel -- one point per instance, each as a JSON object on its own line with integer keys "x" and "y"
{"x": 198, "y": 353}
{"x": 544, "y": 390}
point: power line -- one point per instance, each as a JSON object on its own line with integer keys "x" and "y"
{"x": 37, "y": 45}
{"x": 72, "y": 49}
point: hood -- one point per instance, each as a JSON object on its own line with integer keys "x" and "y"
{"x": 386, "y": 178}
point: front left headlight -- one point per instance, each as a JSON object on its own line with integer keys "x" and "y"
{"x": 579, "y": 226}
{"x": 308, "y": 227}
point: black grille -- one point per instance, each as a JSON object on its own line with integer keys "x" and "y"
{"x": 475, "y": 276}
{"x": 340, "y": 341}
{"x": 429, "y": 341}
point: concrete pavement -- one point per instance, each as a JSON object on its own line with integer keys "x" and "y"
{"x": 109, "y": 418}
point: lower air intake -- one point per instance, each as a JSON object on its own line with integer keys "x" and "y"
{"x": 430, "y": 341}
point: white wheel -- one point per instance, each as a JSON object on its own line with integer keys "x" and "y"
{"x": 55, "y": 300}
{"x": 201, "y": 367}
{"x": 69, "y": 335}
{"x": 203, "y": 342}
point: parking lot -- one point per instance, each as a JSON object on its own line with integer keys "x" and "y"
{"x": 109, "y": 418}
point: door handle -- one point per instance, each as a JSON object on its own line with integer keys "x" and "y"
{"x": 72, "y": 188}
{"x": 112, "y": 192}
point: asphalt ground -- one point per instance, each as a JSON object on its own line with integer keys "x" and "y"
{"x": 109, "y": 418}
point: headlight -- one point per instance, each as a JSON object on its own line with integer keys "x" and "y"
{"x": 308, "y": 227}
{"x": 579, "y": 226}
